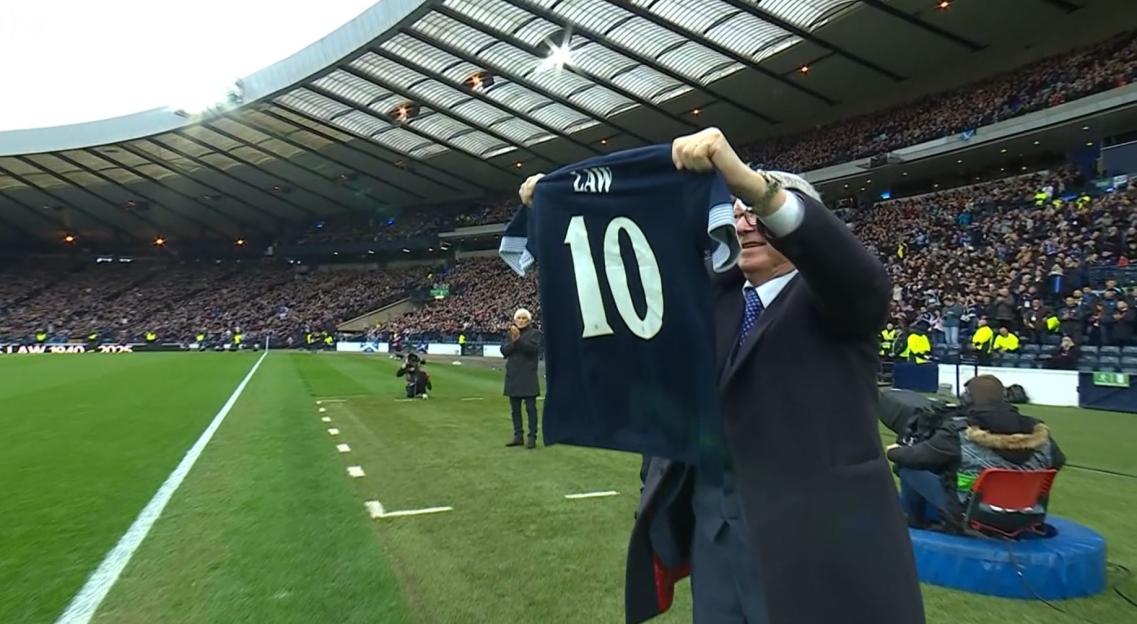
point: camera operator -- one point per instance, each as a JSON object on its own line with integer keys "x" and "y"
{"x": 418, "y": 380}
{"x": 941, "y": 452}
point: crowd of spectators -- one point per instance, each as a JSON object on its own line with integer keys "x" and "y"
{"x": 124, "y": 302}
{"x": 484, "y": 294}
{"x": 1043, "y": 84}
{"x": 1015, "y": 252}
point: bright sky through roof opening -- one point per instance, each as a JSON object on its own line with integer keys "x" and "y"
{"x": 71, "y": 61}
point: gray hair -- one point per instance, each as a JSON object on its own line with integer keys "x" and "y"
{"x": 523, "y": 312}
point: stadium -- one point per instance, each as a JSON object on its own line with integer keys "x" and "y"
{"x": 212, "y": 307}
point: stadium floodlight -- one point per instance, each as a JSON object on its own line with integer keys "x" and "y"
{"x": 160, "y": 241}
{"x": 560, "y": 52}
{"x": 69, "y": 239}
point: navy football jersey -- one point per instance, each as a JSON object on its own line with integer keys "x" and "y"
{"x": 622, "y": 242}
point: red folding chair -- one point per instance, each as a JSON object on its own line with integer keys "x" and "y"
{"x": 1009, "y": 502}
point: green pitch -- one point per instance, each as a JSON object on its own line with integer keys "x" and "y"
{"x": 269, "y": 527}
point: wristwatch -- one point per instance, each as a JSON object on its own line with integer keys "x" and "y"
{"x": 762, "y": 204}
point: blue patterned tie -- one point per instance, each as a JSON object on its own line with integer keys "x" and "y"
{"x": 750, "y": 313}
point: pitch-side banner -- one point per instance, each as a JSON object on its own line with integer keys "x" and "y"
{"x": 363, "y": 347}
{"x": 81, "y": 347}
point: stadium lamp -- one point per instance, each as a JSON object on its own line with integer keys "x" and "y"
{"x": 159, "y": 241}
{"x": 240, "y": 242}
{"x": 943, "y": 5}
{"x": 560, "y": 52}
{"x": 69, "y": 239}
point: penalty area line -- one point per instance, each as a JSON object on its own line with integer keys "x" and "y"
{"x": 83, "y": 606}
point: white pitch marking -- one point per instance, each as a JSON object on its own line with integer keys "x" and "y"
{"x": 326, "y": 419}
{"x": 592, "y": 494}
{"x": 413, "y": 512}
{"x": 333, "y": 431}
{"x": 473, "y": 398}
{"x": 323, "y": 409}
{"x": 375, "y": 508}
{"x": 403, "y": 400}
{"x": 331, "y": 401}
{"x": 83, "y": 606}
{"x": 355, "y": 472}
{"x": 343, "y": 448}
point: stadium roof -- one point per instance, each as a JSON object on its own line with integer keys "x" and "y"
{"x": 419, "y": 101}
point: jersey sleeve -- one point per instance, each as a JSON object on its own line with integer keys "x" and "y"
{"x": 514, "y": 248}
{"x": 720, "y": 226}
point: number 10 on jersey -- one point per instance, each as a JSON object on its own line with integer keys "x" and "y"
{"x": 588, "y": 284}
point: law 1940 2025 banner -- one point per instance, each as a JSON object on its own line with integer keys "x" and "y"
{"x": 79, "y": 347}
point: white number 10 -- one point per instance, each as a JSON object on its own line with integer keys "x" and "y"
{"x": 588, "y": 285}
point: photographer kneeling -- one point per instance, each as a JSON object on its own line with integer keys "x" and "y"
{"x": 938, "y": 466}
{"x": 418, "y": 381}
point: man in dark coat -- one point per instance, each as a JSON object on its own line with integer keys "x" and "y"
{"x": 521, "y": 383}
{"x": 939, "y": 470}
{"x": 809, "y": 504}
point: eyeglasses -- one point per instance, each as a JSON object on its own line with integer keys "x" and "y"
{"x": 748, "y": 216}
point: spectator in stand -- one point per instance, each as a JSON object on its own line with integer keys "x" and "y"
{"x": 1006, "y": 341}
{"x": 952, "y": 318}
{"x": 1124, "y": 323}
{"x": 1066, "y": 358}
{"x": 1035, "y": 321}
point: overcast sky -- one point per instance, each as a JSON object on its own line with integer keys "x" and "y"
{"x": 70, "y": 61}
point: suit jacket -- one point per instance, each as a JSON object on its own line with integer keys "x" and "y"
{"x": 799, "y": 410}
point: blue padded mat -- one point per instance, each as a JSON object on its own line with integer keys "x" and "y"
{"x": 1069, "y": 565}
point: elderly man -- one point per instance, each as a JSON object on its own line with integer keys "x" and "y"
{"x": 806, "y": 527}
{"x": 521, "y": 383}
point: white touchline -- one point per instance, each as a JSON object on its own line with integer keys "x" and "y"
{"x": 593, "y": 494}
{"x": 83, "y": 606}
{"x": 331, "y": 401}
{"x": 413, "y": 512}
{"x": 474, "y": 398}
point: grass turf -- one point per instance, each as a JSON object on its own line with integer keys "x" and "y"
{"x": 268, "y": 527}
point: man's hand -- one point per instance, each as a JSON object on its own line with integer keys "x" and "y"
{"x": 525, "y": 193}
{"x": 514, "y": 333}
{"x": 708, "y": 150}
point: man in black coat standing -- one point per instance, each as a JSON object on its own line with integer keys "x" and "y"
{"x": 806, "y": 527}
{"x": 521, "y": 383}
